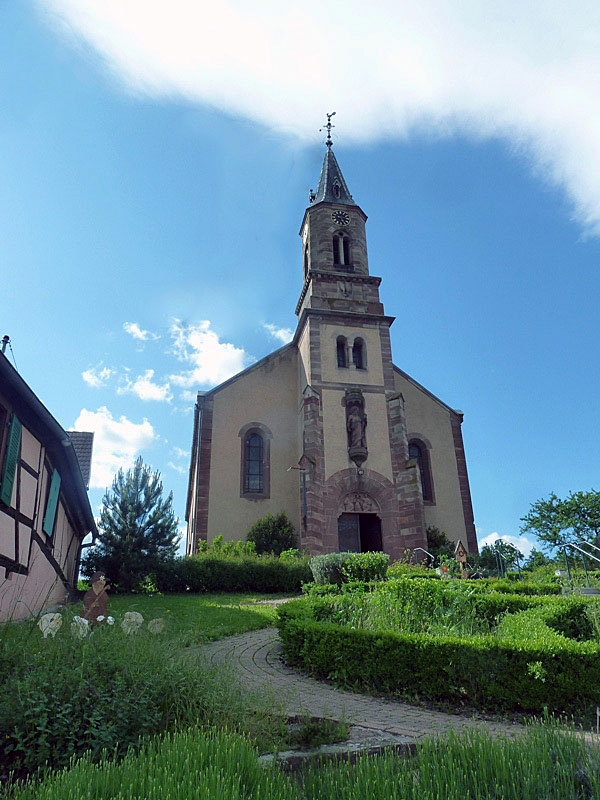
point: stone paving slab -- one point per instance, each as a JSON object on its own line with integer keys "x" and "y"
{"x": 256, "y": 657}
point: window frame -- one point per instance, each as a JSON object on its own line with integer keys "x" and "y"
{"x": 359, "y": 348}
{"x": 341, "y": 349}
{"x": 424, "y": 465}
{"x": 341, "y": 249}
{"x": 245, "y": 434}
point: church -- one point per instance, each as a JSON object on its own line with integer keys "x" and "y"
{"x": 357, "y": 453}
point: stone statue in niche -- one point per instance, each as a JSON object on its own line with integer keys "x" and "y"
{"x": 356, "y": 426}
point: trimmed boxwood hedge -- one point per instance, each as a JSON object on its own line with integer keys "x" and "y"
{"x": 210, "y": 573}
{"x": 483, "y": 671}
{"x": 518, "y": 587}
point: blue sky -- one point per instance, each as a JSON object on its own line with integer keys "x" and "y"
{"x": 155, "y": 164}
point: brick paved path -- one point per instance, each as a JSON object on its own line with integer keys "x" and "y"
{"x": 256, "y": 658}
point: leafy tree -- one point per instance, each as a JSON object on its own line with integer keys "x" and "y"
{"x": 138, "y": 528}
{"x": 536, "y": 559}
{"x": 273, "y": 534}
{"x": 487, "y": 561}
{"x": 557, "y": 522}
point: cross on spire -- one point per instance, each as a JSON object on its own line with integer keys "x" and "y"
{"x": 328, "y": 127}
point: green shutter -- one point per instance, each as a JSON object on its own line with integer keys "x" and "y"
{"x": 51, "y": 505}
{"x": 10, "y": 460}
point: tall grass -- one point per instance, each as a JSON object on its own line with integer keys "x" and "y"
{"x": 212, "y": 766}
{"x": 411, "y": 606}
{"x": 542, "y": 763}
{"x": 109, "y": 691}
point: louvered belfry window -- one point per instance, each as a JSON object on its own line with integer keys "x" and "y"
{"x": 342, "y": 351}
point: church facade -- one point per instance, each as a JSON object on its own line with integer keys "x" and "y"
{"x": 357, "y": 453}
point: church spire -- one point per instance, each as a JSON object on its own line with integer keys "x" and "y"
{"x": 332, "y": 186}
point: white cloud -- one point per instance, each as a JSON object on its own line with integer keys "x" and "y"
{"x": 179, "y": 454}
{"x": 522, "y": 543}
{"x": 529, "y": 72}
{"x": 210, "y": 361}
{"x": 283, "y": 335}
{"x": 96, "y": 377}
{"x": 144, "y": 388}
{"x": 117, "y": 442}
{"x": 133, "y": 329}
{"x": 179, "y": 468}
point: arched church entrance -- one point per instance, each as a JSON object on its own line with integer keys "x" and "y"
{"x": 359, "y": 533}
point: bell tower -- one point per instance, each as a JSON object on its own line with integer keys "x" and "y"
{"x": 334, "y": 244}
{"x": 359, "y": 491}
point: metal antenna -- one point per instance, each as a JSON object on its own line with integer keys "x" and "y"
{"x": 328, "y": 128}
{"x": 6, "y": 341}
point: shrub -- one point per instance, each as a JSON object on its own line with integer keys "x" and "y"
{"x": 293, "y": 554}
{"x": 327, "y": 568}
{"x": 530, "y": 665}
{"x": 212, "y": 572}
{"x": 401, "y": 569}
{"x": 220, "y": 547}
{"x": 273, "y": 534}
{"x": 438, "y": 543}
{"x": 509, "y": 586}
{"x": 366, "y": 567}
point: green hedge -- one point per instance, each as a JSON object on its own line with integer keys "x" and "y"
{"x": 521, "y": 672}
{"x": 400, "y": 569}
{"x": 213, "y": 573}
{"x": 506, "y": 586}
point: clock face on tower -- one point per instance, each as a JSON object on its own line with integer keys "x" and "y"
{"x": 340, "y": 217}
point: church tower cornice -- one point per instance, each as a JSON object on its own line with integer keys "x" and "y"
{"x": 335, "y": 277}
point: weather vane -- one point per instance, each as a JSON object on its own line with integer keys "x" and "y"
{"x": 329, "y": 126}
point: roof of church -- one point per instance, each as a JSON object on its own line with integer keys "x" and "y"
{"x": 332, "y": 186}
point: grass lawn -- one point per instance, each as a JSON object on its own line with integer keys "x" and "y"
{"x": 199, "y": 618}
{"x": 110, "y": 690}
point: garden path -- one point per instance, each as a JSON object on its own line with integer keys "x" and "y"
{"x": 256, "y": 657}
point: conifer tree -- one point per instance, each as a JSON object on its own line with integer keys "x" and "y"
{"x": 138, "y": 529}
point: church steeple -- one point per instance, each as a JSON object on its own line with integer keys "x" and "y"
{"x": 332, "y": 186}
{"x": 333, "y": 232}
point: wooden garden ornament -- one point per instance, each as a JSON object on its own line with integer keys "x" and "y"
{"x": 460, "y": 554}
{"x": 95, "y": 600}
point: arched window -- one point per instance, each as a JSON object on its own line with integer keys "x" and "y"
{"x": 253, "y": 472}
{"x": 305, "y": 261}
{"x": 417, "y": 451}
{"x": 359, "y": 354}
{"x": 341, "y": 249}
{"x": 342, "y": 351}
{"x": 255, "y": 461}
